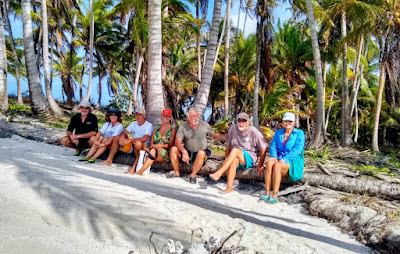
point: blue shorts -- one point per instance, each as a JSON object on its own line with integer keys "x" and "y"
{"x": 248, "y": 159}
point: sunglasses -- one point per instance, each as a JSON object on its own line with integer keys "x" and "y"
{"x": 112, "y": 115}
{"x": 242, "y": 120}
{"x": 288, "y": 121}
{"x": 85, "y": 108}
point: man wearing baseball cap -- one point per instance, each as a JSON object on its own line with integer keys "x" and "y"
{"x": 140, "y": 130}
{"x": 81, "y": 128}
{"x": 243, "y": 145}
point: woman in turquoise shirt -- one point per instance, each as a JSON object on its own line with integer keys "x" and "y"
{"x": 286, "y": 153}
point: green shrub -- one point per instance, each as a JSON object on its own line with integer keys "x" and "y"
{"x": 14, "y": 109}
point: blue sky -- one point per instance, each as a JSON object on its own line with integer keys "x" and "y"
{"x": 281, "y": 12}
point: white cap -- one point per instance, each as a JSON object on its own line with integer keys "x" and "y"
{"x": 289, "y": 116}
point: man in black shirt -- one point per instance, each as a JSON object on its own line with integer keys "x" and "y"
{"x": 85, "y": 126}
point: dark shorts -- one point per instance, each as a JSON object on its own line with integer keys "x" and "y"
{"x": 83, "y": 143}
{"x": 192, "y": 156}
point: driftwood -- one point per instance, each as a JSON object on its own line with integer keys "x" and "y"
{"x": 323, "y": 169}
{"x": 291, "y": 190}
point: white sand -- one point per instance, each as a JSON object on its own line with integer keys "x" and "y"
{"x": 51, "y": 203}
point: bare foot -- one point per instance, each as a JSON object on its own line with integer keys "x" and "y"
{"x": 225, "y": 191}
{"x": 212, "y": 176}
{"x": 137, "y": 173}
{"x": 131, "y": 172}
{"x": 107, "y": 163}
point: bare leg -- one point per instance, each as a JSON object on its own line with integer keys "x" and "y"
{"x": 174, "y": 155}
{"x": 137, "y": 146}
{"x": 232, "y": 156}
{"x": 113, "y": 151}
{"x": 278, "y": 170}
{"x": 268, "y": 176}
{"x": 99, "y": 152}
{"x": 231, "y": 176}
{"x": 66, "y": 141}
{"x": 198, "y": 163}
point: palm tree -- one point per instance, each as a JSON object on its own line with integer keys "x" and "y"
{"x": 3, "y": 68}
{"x": 155, "y": 98}
{"x": 91, "y": 38}
{"x": 14, "y": 53}
{"x": 52, "y": 103}
{"x": 318, "y": 76}
{"x": 226, "y": 71}
{"x": 39, "y": 104}
{"x": 204, "y": 89}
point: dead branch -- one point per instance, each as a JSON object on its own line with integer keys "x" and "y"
{"x": 323, "y": 169}
{"x": 291, "y": 190}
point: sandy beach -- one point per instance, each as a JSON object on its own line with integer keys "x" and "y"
{"x": 51, "y": 203}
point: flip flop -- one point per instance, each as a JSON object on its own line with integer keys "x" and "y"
{"x": 265, "y": 198}
{"x": 272, "y": 200}
{"x": 84, "y": 159}
{"x": 91, "y": 161}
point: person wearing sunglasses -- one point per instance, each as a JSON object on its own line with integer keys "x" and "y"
{"x": 81, "y": 128}
{"x": 286, "y": 153}
{"x": 110, "y": 131}
{"x": 244, "y": 145}
{"x": 193, "y": 133}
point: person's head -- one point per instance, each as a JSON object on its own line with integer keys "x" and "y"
{"x": 166, "y": 116}
{"x": 288, "y": 120}
{"x": 192, "y": 116}
{"x": 140, "y": 115}
{"x": 113, "y": 115}
{"x": 243, "y": 122}
{"x": 85, "y": 107}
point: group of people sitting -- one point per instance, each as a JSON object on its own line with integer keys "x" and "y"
{"x": 245, "y": 145}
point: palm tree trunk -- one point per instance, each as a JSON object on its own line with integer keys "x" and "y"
{"x": 51, "y": 59}
{"x": 132, "y": 83}
{"x": 345, "y": 125}
{"x": 353, "y": 100}
{"x": 52, "y": 103}
{"x": 226, "y": 71}
{"x": 382, "y": 77}
{"x": 82, "y": 73}
{"x": 356, "y": 67}
{"x": 14, "y": 53}
{"x": 99, "y": 90}
{"x": 204, "y": 89}
{"x": 91, "y": 38}
{"x": 238, "y": 20}
{"x": 257, "y": 76}
{"x": 139, "y": 62}
{"x": 356, "y": 124}
{"x": 318, "y": 76}
{"x": 220, "y": 41}
{"x": 198, "y": 35}
{"x": 3, "y": 68}
{"x": 155, "y": 94}
{"x": 39, "y": 103}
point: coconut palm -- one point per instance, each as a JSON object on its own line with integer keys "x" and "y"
{"x": 155, "y": 98}
{"x": 52, "y": 103}
{"x": 14, "y": 53}
{"x": 3, "y": 68}
{"x": 39, "y": 104}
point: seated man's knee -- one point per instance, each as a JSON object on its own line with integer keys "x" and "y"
{"x": 201, "y": 155}
{"x": 65, "y": 140}
{"x": 138, "y": 145}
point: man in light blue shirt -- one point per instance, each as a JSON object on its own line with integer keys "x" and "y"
{"x": 140, "y": 130}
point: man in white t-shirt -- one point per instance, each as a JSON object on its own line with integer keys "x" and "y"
{"x": 140, "y": 130}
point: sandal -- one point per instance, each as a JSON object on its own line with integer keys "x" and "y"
{"x": 265, "y": 198}
{"x": 171, "y": 174}
{"x": 272, "y": 200}
{"x": 91, "y": 161}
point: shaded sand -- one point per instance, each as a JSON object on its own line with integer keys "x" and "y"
{"x": 51, "y": 203}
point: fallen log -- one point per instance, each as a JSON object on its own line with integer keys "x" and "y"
{"x": 323, "y": 169}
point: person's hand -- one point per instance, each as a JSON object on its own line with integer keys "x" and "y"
{"x": 260, "y": 169}
{"x": 122, "y": 141}
{"x": 102, "y": 144}
{"x": 73, "y": 136}
{"x": 185, "y": 157}
{"x": 97, "y": 143}
{"x": 75, "y": 141}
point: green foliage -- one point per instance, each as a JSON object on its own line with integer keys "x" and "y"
{"x": 223, "y": 126}
{"x": 14, "y": 109}
{"x": 368, "y": 169}
{"x": 318, "y": 155}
